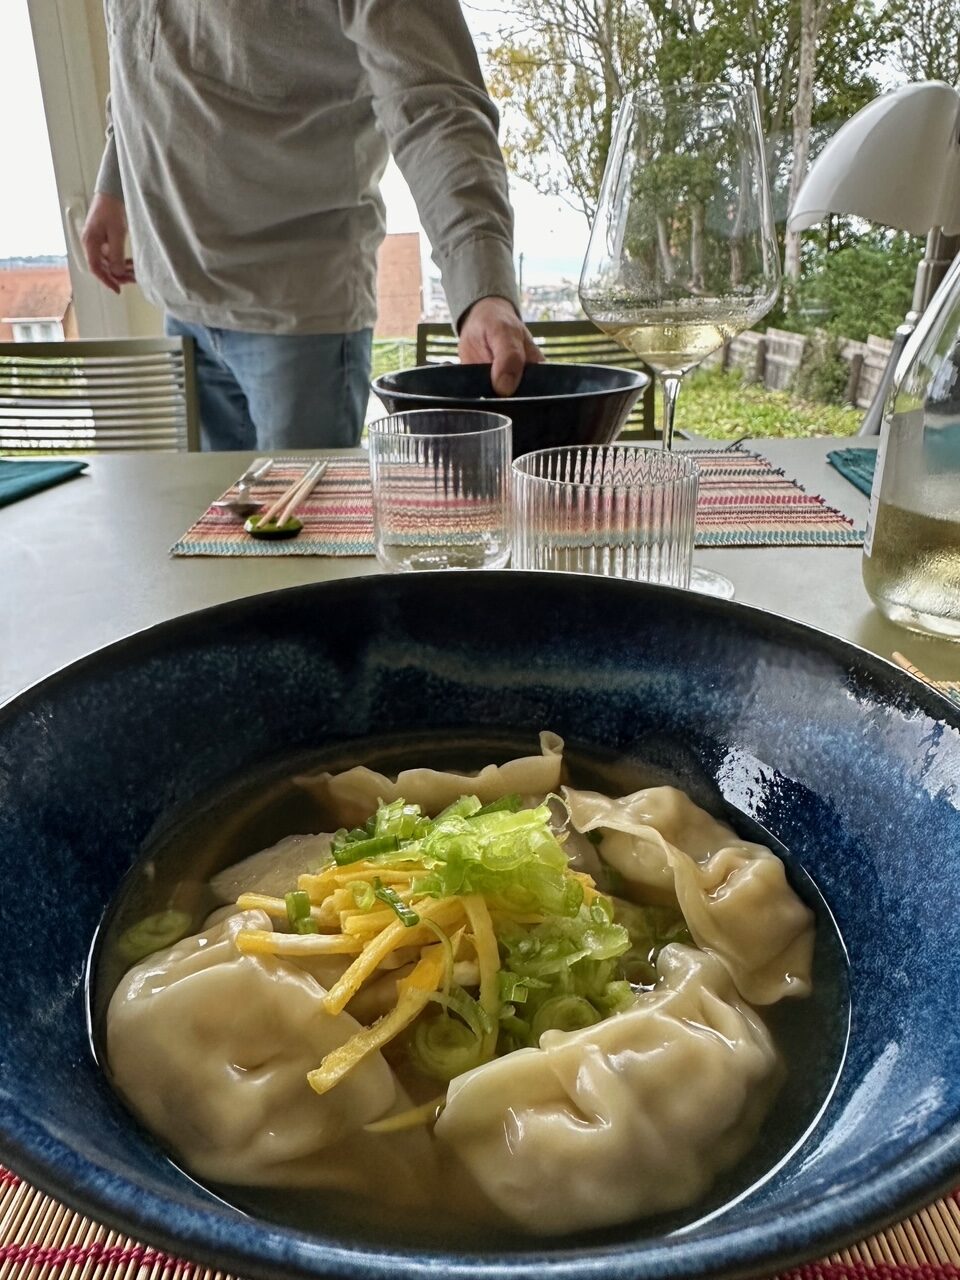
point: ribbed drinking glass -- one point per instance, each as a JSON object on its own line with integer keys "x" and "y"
{"x": 620, "y": 510}
{"x": 441, "y": 489}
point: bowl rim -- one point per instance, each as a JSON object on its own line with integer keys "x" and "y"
{"x": 642, "y": 381}
{"x": 248, "y": 1246}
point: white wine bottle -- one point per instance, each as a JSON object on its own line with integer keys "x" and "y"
{"x": 911, "y": 554}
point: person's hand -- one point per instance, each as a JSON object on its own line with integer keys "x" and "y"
{"x": 103, "y": 238}
{"x": 492, "y": 333}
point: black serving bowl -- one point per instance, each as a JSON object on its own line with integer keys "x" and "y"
{"x": 555, "y": 404}
{"x": 849, "y": 763}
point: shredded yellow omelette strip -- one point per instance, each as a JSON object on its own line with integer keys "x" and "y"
{"x": 375, "y": 936}
{"x": 413, "y": 993}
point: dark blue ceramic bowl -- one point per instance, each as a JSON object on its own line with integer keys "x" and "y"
{"x": 851, "y": 764}
{"x": 555, "y": 404}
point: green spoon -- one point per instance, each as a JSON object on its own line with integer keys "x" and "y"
{"x": 261, "y": 528}
{"x": 278, "y": 521}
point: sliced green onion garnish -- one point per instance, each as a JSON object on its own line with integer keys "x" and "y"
{"x": 298, "y": 906}
{"x": 398, "y": 819}
{"x": 511, "y": 803}
{"x": 515, "y": 1034}
{"x": 445, "y": 1047}
{"x": 601, "y": 910}
{"x": 306, "y": 926}
{"x": 512, "y": 988}
{"x": 153, "y": 933}
{"x": 563, "y": 1013}
{"x": 363, "y": 894}
{"x": 650, "y": 929}
{"x": 465, "y": 1007}
{"x": 361, "y": 849}
{"x": 465, "y": 807}
{"x": 395, "y": 902}
{"x": 572, "y": 897}
{"x": 616, "y": 996}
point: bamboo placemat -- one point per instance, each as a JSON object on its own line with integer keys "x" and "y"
{"x": 951, "y": 688}
{"x": 42, "y": 1240}
{"x": 744, "y": 501}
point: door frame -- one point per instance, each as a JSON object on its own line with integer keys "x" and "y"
{"x": 65, "y": 35}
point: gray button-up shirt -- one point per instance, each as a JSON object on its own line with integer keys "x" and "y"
{"x": 247, "y": 139}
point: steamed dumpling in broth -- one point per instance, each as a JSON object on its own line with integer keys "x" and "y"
{"x": 271, "y": 870}
{"x": 630, "y": 1117}
{"x": 566, "y": 1099}
{"x": 211, "y": 1047}
{"x": 733, "y": 893}
{"x": 354, "y": 794}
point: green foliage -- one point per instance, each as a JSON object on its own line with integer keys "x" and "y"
{"x": 924, "y": 38}
{"x": 720, "y": 406}
{"x": 823, "y": 372}
{"x": 562, "y": 77}
{"x": 711, "y": 403}
{"x": 390, "y": 354}
{"x": 863, "y": 287}
{"x": 562, "y": 71}
{"x": 563, "y": 68}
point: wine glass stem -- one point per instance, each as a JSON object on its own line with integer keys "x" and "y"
{"x": 671, "y": 385}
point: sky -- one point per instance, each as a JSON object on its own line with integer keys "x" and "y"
{"x": 550, "y": 235}
{"x": 29, "y": 207}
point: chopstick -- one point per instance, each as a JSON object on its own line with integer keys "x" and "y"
{"x": 907, "y": 665}
{"x": 293, "y": 495}
{"x": 256, "y": 470}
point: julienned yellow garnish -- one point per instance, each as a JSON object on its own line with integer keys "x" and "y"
{"x": 262, "y": 942}
{"x": 488, "y": 958}
{"x": 445, "y": 912}
{"x": 482, "y": 897}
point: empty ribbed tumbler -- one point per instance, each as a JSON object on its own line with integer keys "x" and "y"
{"x": 620, "y": 510}
{"x": 441, "y": 489}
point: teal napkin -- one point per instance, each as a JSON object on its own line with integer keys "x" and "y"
{"x": 20, "y": 479}
{"x": 857, "y": 465}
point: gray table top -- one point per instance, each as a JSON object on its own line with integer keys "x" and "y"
{"x": 88, "y": 562}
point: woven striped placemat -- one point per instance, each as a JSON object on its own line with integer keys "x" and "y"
{"x": 41, "y": 1239}
{"x": 744, "y": 501}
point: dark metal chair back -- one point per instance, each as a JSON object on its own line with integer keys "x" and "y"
{"x": 563, "y": 341}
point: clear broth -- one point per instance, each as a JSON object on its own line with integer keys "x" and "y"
{"x": 258, "y": 811}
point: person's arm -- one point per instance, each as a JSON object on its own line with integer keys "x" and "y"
{"x": 104, "y": 231}
{"x": 108, "y": 181}
{"x": 441, "y": 126}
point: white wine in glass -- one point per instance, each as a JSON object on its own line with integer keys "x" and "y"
{"x": 683, "y": 252}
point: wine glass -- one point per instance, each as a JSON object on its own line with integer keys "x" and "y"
{"x": 683, "y": 252}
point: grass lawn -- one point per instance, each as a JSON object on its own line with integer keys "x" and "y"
{"x": 719, "y": 405}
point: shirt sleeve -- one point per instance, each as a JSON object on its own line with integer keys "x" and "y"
{"x": 441, "y": 126}
{"x": 108, "y": 175}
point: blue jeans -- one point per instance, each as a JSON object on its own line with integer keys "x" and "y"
{"x": 265, "y": 391}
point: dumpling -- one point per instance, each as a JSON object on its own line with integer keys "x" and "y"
{"x": 354, "y": 794}
{"x": 734, "y": 894}
{"x": 630, "y": 1117}
{"x": 211, "y": 1049}
{"x": 272, "y": 870}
